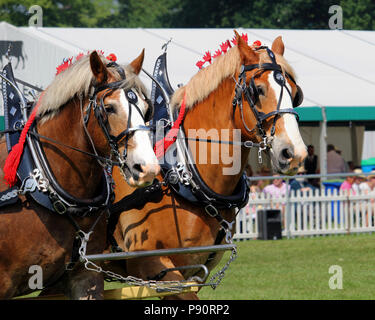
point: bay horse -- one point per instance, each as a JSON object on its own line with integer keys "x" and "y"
{"x": 83, "y": 118}
{"x": 218, "y": 98}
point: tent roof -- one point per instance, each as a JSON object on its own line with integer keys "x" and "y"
{"x": 334, "y": 68}
{"x": 336, "y": 114}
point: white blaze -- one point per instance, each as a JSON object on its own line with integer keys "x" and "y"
{"x": 143, "y": 152}
{"x": 290, "y": 121}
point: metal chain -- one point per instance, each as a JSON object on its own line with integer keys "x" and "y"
{"x": 159, "y": 286}
{"x": 218, "y": 276}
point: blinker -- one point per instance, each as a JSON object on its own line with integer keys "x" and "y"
{"x": 279, "y": 78}
{"x": 131, "y": 96}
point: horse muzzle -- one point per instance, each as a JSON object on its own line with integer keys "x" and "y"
{"x": 286, "y": 158}
{"x": 141, "y": 175}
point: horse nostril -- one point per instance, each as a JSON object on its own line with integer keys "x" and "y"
{"x": 137, "y": 167}
{"x": 287, "y": 153}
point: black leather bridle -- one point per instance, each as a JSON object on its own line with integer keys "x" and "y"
{"x": 251, "y": 94}
{"x": 101, "y": 115}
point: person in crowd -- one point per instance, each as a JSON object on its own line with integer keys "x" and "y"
{"x": 335, "y": 162}
{"x": 368, "y": 184}
{"x": 255, "y": 185}
{"x": 277, "y": 189}
{"x": 366, "y": 187}
{"x": 299, "y": 183}
{"x": 311, "y": 165}
{"x": 348, "y": 184}
{"x": 358, "y": 180}
{"x": 351, "y": 166}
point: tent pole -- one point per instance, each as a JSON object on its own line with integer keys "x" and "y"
{"x": 323, "y": 145}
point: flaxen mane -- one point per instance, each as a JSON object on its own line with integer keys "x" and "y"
{"x": 78, "y": 79}
{"x": 208, "y": 79}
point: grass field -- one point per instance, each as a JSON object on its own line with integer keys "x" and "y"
{"x": 299, "y": 269}
{"x": 296, "y": 269}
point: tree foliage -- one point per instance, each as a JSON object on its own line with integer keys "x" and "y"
{"x": 281, "y": 14}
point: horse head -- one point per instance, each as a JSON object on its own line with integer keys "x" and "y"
{"x": 121, "y": 116}
{"x": 266, "y": 95}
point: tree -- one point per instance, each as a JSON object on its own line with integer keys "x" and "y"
{"x": 358, "y": 15}
{"x": 280, "y": 14}
{"x": 66, "y": 13}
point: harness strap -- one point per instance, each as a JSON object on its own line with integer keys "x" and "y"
{"x": 137, "y": 199}
{"x": 96, "y": 156}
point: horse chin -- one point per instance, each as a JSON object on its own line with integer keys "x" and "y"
{"x": 137, "y": 184}
{"x": 133, "y": 179}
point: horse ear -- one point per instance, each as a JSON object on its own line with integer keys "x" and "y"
{"x": 278, "y": 46}
{"x": 138, "y": 62}
{"x": 248, "y": 56}
{"x": 98, "y": 68}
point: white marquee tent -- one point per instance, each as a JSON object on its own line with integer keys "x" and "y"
{"x": 334, "y": 68}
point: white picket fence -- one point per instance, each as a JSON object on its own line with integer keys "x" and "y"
{"x": 311, "y": 213}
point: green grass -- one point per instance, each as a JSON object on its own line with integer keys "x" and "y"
{"x": 298, "y": 269}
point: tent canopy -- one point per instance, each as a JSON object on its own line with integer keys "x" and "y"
{"x": 334, "y": 68}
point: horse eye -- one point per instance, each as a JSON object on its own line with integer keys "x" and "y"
{"x": 109, "y": 108}
{"x": 261, "y": 90}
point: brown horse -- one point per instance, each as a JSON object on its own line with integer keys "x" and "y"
{"x": 91, "y": 89}
{"x": 174, "y": 222}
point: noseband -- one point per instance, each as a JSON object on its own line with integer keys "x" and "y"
{"x": 102, "y": 116}
{"x": 251, "y": 94}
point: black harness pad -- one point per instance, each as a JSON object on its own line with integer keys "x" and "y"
{"x": 13, "y": 118}
{"x": 168, "y": 162}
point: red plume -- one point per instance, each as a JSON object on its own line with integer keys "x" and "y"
{"x": 257, "y": 43}
{"x": 14, "y": 157}
{"x": 111, "y": 57}
{"x": 234, "y": 41}
{"x": 65, "y": 65}
{"x": 207, "y": 57}
{"x": 200, "y": 64}
{"x": 244, "y": 37}
{"x": 224, "y": 46}
{"x": 79, "y": 56}
{"x": 217, "y": 54}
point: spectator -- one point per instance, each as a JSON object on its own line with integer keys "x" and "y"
{"x": 358, "y": 180}
{"x": 311, "y": 165}
{"x": 335, "y": 162}
{"x": 369, "y": 184}
{"x": 311, "y": 161}
{"x": 251, "y": 208}
{"x": 299, "y": 183}
{"x": 347, "y": 184}
{"x": 256, "y": 186}
{"x": 366, "y": 187}
{"x": 351, "y": 165}
{"x": 277, "y": 189}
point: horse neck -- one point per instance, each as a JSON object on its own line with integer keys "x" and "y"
{"x": 76, "y": 172}
{"x": 215, "y": 114}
